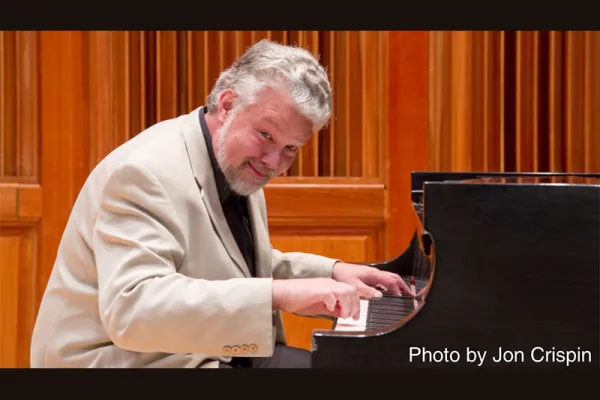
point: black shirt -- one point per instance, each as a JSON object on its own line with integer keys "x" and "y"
{"x": 235, "y": 207}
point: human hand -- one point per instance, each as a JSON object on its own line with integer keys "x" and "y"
{"x": 365, "y": 279}
{"x": 316, "y": 296}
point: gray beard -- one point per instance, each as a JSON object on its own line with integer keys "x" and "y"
{"x": 233, "y": 174}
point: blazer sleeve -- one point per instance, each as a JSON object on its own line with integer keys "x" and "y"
{"x": 145, "y": 304}
{"x": 293, "y": 265}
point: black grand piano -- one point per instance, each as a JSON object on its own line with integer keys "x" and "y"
{"x": 505, "y": 268}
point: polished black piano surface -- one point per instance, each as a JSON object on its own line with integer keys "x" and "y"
{"x": 506, "y": 271}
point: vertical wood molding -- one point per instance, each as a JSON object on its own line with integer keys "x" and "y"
{"x": 20, "y": 193}
{"x": 514, "y": 101}
{"x": 19, "y": 107}
{"x": 407, "y": 140}
{"x": 65, "y": 136}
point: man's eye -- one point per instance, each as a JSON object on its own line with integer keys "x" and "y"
{"x": 292, "y": 148}
{"x": 265, "y": 134}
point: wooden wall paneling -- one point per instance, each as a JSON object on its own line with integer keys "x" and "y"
{"x": 462, "y": 101}
{"x": 167, "y": 87}
{"x": 18, "y": 246}
{"x": 493, "y": 101}
{"x": 306, "y": 162}
{"x": 298, "y": 202}
{"x": 19, "y": 105}
{"x": 574, "y": 98}
{"x": 438, "y": 104}
{"x": 341, "y": 113}
{"x": 65, "y": 148}
{"x": 355, "y": 104}
{"x": 20, "y": 212}
{"x": 555, "y": 101}
{"x": 592, "y": 101}
{"x": 182, "y": 73}
{"x": 136, "y": 90}
{"x": 8, "y": 95}
{"x": 109, "y": 112}
{"x": 326, "y": 148}
{"x": 373, "y": 78}
{"x": 406, "y": 140}
{"x": 20, "y": 193}
{"x": 466, "y": 101}
{"x": 197, "y": 74}
{"x": 213, "y": 59}
{"x": 527, "y": 104}
{"x": 514, "y": 101}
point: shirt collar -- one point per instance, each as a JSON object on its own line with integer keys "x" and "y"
{"x": 220, "y": 180}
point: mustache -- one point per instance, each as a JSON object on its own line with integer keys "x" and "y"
{"x": 260, "y": 167}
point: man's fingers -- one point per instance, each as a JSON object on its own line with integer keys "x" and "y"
{"x": 349, "y": 302}
{"x": 367, "y": 291}
{"x": 404, "y": 288}
{"x": 394, "y": 288}
{"x": 380, "y": 287}
{"x": 330, "y": 302}
{"x": 396, "y": 285}
{"x": 345, "y": 304}
{"x": 356, "y": 303}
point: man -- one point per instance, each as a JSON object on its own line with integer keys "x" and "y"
{"x": 165, "y": 260}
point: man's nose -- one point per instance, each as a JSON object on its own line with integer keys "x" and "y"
{"x": 271, "y": 158}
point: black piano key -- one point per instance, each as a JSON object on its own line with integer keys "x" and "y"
{"x": 390, "y": 300}
{"x": 389, "y": 314}
{"x": 392, "y": 305}
{"x": 388, "y": 310}
{"x": 389, "y": 319}
{"x": 391, "y": 308}
{"x": 392, "y": 313}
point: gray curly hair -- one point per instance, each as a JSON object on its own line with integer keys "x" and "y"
{"x": 268, "y": 64}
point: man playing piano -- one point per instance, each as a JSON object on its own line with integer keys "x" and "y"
{"x": 165, "y": 260}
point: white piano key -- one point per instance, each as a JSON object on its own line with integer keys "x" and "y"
{"x": 350, "y": 324}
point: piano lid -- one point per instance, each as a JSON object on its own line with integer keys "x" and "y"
{"x": 420, "y": 178}
{"x": 535, "y": 180}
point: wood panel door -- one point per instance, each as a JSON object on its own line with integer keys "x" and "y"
{"x": 20, "y": 193}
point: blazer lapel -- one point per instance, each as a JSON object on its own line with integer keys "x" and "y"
{"x": 200, "y": 163}
{"x": 262, "y": 243}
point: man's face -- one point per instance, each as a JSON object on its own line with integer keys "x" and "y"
{"x": 260, "y": 141}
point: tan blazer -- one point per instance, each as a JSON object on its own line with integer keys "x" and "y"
{"x": 148, "y": 273}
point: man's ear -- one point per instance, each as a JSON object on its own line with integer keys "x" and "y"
{"x": 226, "y": 103}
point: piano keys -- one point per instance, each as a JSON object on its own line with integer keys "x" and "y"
{"x": 501, "y": 261}
{"x": 351, "y": 324}
{"x": 382, "y": 312}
